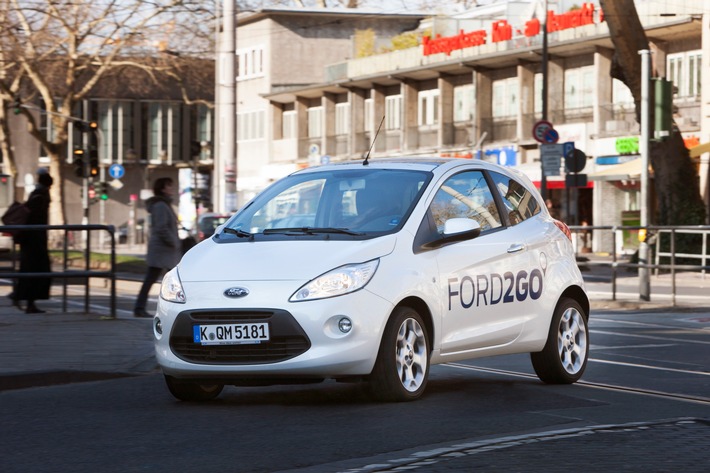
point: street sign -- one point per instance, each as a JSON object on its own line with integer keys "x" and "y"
{"x": 551, "y": 157}
{"x": 539, "y": 129}
{"x": 116, "y": 184}
{"x": 567, "y": 148}
{"x": 116, "y": 171}
{"x": 551, "y": 136}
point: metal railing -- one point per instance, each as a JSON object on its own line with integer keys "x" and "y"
{"x": 656, "y": 244}
{"x": 67, "y": 274}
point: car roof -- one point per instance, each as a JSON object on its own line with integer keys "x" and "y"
{"x": 413, "y": 163}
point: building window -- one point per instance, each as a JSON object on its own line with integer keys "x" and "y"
{"x": 251, "y": 125}
{"x": 621, "y": 94}
{"x": 315, "y": 122}
{"x": 579, "y": 87}
{"x": 685, "y": 71}
{"x": 369, "y": 115}
{"x": 428, "y": 107}
{"x": 250, "y": 63}
{"x": 393, "y": 112}
{"x": 203, "y": 133}
{"x": 464, "y": 103}
{"x": 505, "y": 98}
{"x": 537, "y": 93}
{"x": 115, "y": 120}
{"x": 163, "y": 132}
{"x": 342, "y": 118}
{"x": 288, "y": 125}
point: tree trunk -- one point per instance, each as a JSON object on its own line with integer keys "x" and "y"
{"x": 676, "y": 183}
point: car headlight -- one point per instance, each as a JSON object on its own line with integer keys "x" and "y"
{"x": 339, "y": 281}
{"x": 171, "y": 288}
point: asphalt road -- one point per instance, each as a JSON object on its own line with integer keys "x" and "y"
{"x": 643, "y": 405}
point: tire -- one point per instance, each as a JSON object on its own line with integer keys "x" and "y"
{"x": 564, "y": 358}
{"x": 402, "y": 367}
{"x": 190, "y": 391}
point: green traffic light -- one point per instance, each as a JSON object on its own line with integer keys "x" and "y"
{"x": 104, "y": 197}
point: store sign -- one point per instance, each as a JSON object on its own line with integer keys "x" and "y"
{"x": 506, "y": 156}
{"x": 627, "y": 145}
{"x": 501, "y": 30}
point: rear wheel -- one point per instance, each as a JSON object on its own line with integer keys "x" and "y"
{"x": 564, "y": 357}
{"x": 402, "y": 367}
{"x": 191, "y": 391}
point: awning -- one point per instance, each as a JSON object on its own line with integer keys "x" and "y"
{"x": 696, "y": 151}
{"x": 628, "y": 171}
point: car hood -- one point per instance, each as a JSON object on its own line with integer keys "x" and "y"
{"x": 277, "y": 260}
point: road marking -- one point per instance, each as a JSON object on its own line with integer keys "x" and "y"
{"x": 648, "y": 367}
{"x": 653, "y": 337}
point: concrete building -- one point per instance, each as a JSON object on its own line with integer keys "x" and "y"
{"x": 143, "y": 126}
{"x": 473, "y": 91}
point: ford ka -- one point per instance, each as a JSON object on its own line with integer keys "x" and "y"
{"x": 374, "y": 271}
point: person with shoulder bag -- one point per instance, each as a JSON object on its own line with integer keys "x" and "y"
{"x": 164, "y": 245}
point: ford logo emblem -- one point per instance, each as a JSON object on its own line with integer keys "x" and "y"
{"x": 236, "y": 292}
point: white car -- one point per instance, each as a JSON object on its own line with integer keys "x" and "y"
{"x": 394, "y": 265}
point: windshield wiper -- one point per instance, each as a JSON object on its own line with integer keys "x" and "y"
{"x": 238, "y": 232}
{"x": 311, "y": 231}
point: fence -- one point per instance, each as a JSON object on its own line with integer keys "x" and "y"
{"x": 66, "y": 274}
{"x": 662, "y": 248}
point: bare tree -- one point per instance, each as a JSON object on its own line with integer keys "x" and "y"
{"x": 676, "y": 183}
{"x": 56, "y": 52}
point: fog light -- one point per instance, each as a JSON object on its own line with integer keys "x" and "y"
{"x": 345, "y": 325}
{"x": 158, "y": 326}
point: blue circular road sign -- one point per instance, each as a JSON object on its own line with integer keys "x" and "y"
{"x": 116, "y": 171}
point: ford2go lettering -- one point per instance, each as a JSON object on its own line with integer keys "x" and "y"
{"x": 374, "y": 272}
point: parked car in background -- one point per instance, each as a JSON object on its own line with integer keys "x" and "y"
{"x": 208, "y": 222}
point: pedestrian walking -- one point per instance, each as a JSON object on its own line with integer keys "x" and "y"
{"x": 34, "y": 253}
{"x": 164, "y": 246}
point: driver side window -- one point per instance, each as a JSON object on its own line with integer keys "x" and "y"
{"x": 466, "y": 195}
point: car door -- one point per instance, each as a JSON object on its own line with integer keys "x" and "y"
{"x": 483, "y": 281}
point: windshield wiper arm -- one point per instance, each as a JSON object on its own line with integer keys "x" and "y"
{"x": 238, "y": 232}
{"x": 312, "y": 230}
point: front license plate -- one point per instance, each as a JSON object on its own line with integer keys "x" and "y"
{"x": 230, "y": 334}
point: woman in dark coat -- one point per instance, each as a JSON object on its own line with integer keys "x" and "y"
{"x": 34, "y": 254}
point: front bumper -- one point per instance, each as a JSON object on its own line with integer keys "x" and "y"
{"x": 305, "y": 339}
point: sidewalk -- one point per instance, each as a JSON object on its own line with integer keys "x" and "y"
{"x": 53, "y": 348}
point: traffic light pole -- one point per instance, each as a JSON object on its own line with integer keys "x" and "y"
{"x": 644, "y": 282}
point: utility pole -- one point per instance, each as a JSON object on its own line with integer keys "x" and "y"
{"x": 225, "y": 104}
{"x": 644, "y": 283}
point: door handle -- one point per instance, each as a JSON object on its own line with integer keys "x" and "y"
{"x": 515, "y": 247}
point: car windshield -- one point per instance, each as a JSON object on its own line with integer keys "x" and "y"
{"x": 343, "y": 203}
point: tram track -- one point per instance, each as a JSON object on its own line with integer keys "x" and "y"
{"x": 594, "y": 385}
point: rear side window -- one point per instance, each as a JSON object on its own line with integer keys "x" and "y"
{"x": 520, "y": 203}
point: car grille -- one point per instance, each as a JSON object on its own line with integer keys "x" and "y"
{"x": 288, "y": 339}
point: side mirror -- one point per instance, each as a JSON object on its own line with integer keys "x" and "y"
{"x": 455, "y": 226}
{"x": 455, "y": 230}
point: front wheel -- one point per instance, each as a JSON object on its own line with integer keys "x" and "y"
{"x": 564, "y": 357}
{"x": 402, "y": 367}
{"x": 191, "y": 391}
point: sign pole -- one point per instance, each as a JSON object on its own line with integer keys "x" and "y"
{"x": 543, "y": 178}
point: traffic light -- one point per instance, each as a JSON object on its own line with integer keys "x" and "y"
{"x": 102, "y": 190}
{"x": 93, "y": 164}
{"x": 80, "y": 169}
{"x": 85, "y": 127}
{"x": 17, "y": 104}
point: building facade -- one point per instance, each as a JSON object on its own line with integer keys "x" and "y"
{"x": 474, "y": 90}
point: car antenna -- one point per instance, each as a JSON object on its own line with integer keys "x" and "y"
{"x": 367, "y": 156}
